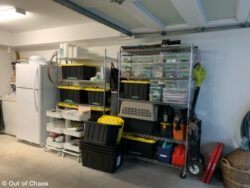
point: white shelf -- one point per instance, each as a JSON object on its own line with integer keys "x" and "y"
{"x": 55, "y": 128}
{"x": 69, "y": 146}
{"x": 77, "y": 134}
{"x": 53, "y": 113}
{"x": 74, "y": 115}
{"x": 54, "y": 144}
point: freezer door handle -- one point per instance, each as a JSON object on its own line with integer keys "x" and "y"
{"x": 34, "y": 91}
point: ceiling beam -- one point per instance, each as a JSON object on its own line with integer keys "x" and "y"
{"x": 141, "y": 14}
{"x": 222, "y": 22}
{"x": 85, "y": 12}
{"x": 242, "y": 11}
{"x": 191, "y": 11}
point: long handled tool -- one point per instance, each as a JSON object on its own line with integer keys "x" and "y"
{"x": 195, "y": 159}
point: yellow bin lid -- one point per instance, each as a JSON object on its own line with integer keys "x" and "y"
{"x": 139, "y": 139}
{"x": 111, "y": 120}
{"x": 135, "y": 81}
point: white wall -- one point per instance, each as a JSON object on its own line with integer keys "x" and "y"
{"x": 224, "y": 97}
{"x": 5, "y": 72}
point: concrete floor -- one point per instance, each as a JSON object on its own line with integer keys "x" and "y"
{"x": 20, "y": 162}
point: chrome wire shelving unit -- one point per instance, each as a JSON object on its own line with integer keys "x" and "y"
{"x": 129, "y": 52}
{"x": 82, "y": 84}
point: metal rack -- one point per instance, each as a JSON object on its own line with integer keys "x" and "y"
{"x": 142, "y": 50}
{"x": 62, "y": 128}
{"x": 83, "y": 61}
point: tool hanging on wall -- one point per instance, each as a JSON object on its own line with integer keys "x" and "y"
{"x": 54, "y": 64}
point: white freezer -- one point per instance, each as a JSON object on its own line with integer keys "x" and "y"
{"x": 29, "y": 115}
{"x": 34, "y": 95}
{"x": 28, "y": 76}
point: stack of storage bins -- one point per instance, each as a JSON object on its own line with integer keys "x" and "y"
{"x": 72, "y": 94}
{"x": 176, "y": 71}
{"x": 101, "y": 144}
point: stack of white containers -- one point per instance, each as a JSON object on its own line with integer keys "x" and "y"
{"x": 67, "y": 50}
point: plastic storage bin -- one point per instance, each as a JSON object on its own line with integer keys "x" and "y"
{"x": 164, "y": 154}
{"x": 134, "y": 89}
{"x": 114, "y": 121}
{"x": 104, "y": 158}
{"x": 78, "y": 72}
{"x": 158, "y": 70}
{"x": 178, "y": 156}
{"x": 95, "y": 115}
{"x": 139, "y": 146}
{"x": 144, "y": 70}
{"x": 175, "y": 96}
{"x": 141, "y": 126}
{"x": 142, "y": 59}
{"x": 72, "y": 95}
{"x": 156, "y": 88}
{"x": 76, "y": 115}
{"x": 95, "y": 96}
{"x": 126, "y": 70}
{"x": 103, "y": 134}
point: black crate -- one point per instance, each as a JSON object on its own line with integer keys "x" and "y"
{"x": 135, "y": 91}
{"x": 95, "y": 115}
{"x": 138, "y": 148}
{"x": 96, "y": 98}
{"x": 73, "y": 96}
{"x": 104, "y": 158}
{"x": 78, "y": 72}
{"x": 141, "y": 126}
{"x": 101, "y": 134}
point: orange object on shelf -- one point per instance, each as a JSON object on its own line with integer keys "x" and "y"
{"x": 178, "y": 156}
{"x": 181, "y": 133}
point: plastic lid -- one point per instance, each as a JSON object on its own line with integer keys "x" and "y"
{"x": 95, "y": 89}
{"x": 111, "y": 120}
{"x": 69, "y": 87}
{"x": 139, "y": 139}
{"x": 135, "y": 81}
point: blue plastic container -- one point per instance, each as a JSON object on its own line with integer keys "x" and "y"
{"x": 165, "y": 154}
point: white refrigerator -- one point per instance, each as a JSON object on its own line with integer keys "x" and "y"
{"x": 34, "y": 95}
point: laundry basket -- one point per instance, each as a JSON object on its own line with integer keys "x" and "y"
{"x": 234, "y": 177}
{"x": 236, "y": 169}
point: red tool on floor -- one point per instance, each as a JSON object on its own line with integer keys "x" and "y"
{"x": 212, "y": 163}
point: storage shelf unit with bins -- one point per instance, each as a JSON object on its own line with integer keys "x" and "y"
{"x": 152, "y": 78}
{"x": 77, "y": 88}
{"x": 68, "y": 125}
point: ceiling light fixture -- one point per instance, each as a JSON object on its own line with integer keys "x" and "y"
{"x": 9, "y": 13}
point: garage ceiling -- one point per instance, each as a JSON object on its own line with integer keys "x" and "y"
{"x": 146, "y": 16}
{"x": 41, "y": 14}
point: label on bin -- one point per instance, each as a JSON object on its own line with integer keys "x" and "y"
{"x": 165, "y": 156}
{"x": 118, "y": 161}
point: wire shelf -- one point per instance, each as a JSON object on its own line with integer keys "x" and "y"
{"x": 154, "y": 161}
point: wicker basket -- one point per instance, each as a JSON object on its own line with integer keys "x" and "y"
{"x": 239, "y": 159}
{"x": 234, "y": 177}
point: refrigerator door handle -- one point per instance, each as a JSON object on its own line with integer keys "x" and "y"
{"x": 34, "y": 91}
